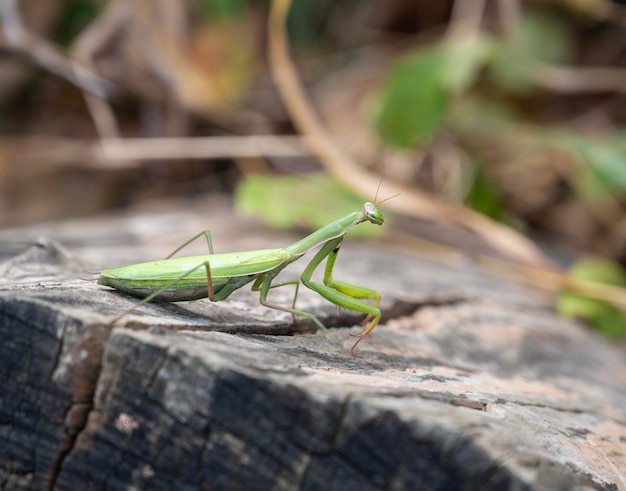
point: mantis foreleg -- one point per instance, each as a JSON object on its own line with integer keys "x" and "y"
{"x": 342, "y": 294}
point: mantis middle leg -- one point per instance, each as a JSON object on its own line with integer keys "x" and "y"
{"x": 172, "y": 283}
{"x": 264, "y": 283}
{"x": 207, "y": 236}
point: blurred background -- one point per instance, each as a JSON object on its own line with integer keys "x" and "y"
{"x": 496, "y": 120}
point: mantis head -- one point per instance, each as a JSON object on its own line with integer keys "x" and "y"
{"x": 372, "y": 213}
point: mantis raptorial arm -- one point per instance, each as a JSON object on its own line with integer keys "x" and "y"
{"x": 342, "y": 294}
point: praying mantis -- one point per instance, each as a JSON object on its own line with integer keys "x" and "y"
{"x": 217, "y": 276}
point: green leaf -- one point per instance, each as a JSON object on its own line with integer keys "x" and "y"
{"x": 544, "y": 37}
{"x": 485, "y": 196}
{"x": 413, "y": 105}
{"x": 603, "y": 165}
{"x": 603, "y": 316}
{"x": 547, "y": 35}
{"x": 77, "y": 14}
{"x": 289, "y": 202}
{"x": 477, "y": 115}
{"x": 463, "y": 60}
{"x": 512, "y": 68}
{"x": 222, "y": 9}
{"x": 599, "y": 270}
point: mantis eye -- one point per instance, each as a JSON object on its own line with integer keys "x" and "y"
{"x": 372, "y": 213}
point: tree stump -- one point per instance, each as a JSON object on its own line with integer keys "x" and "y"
{"x": 470, "y": 382}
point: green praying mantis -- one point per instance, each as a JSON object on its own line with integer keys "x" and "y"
{"x": 217, "y": 276}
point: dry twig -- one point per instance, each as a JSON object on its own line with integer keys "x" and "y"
{"x": 18, "y": 39}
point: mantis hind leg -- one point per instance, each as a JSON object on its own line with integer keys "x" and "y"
{"x": 340, "y": 293}
{"x": 207, "y": 236}
{"x": 167, "y": 286}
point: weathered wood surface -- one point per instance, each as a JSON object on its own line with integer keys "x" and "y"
{"x": 470, "y": 383}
